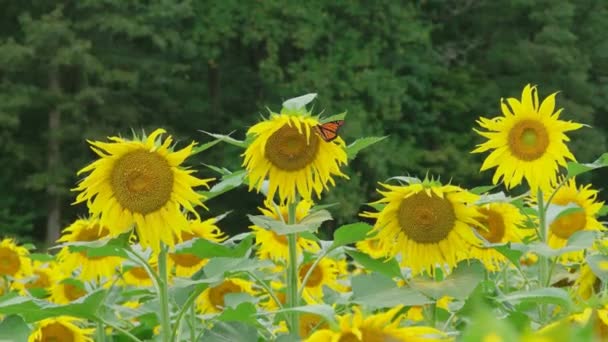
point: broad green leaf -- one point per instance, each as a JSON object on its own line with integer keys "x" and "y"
{"x": 379, "y": 291}
{"x": 578, "y": 241}
{"x": 459, "y": 284}
{"x": 203, "y": 147}
{"x": 550, "y": 295}
{"x": 309, "y": 224}
{"x": 492, "y": 198}
{"x": 335, "y": 117}
{"x": 299, "y": 102}
{"x": 230, "y": 332}
{"x": 350, "y": 233}
{"x": 219, "y": 266}
{"x": 575, "y": 169}
{"x": 603, "y": 211}
{"x": 478, "y": 190}
{"x": 388, "y": 267}
{"x": 100, "y": 248}
{"x": 555, "y": 212}
{"x": 228, "y": 182}
{"x": 13, "y": 328}
{"x": 599, "y": 266}
{"x": 512, "y": 254}
{"x": 41, "y": 257}
{"x": 206, "y": 249}
{"x": 243, "y": 312}
{"x": 221, "y": 170}
{"x": 356, "y": 146}
{"x": 227, "y": 139}
{"x": 323, "y": 310}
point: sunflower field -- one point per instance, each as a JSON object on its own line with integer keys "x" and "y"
{"x": 428, "y": 260}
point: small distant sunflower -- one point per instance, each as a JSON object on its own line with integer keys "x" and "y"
{"x": 136, "y": 275}
{"x": 587, "y": 283}
{"x": 500, "y": 223}
{"x": 212, "y": 299}
{"x": 561, "y": 229}
{"x": 91, "y": 268}
{"x": 327, "y": 273}
{"x": 371, "y": 247}
{"x": 14, "y": 260}
{"x": 67, "y": 291}
{"x": 308, "y": 323}
{"x": 379, "y": 327}
{"x": 187, "y": 264}
{"x": 427, "y": 223}
{"x": 527, "y": 142}
{"x": 142, "y": 183}
{"x": 44, "y": 275}
{"x": 286, "y": 149}
{"x": 274, "y": 246}
{"x": 62, "y": 328}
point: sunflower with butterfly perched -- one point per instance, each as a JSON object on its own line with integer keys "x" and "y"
{"x": 297, "y": 152}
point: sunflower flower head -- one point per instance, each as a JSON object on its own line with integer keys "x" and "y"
{"x": 141, "y": 182}
{"x": 67, "y": 290}
{"x": 14, "y": 260}
{"x": 186, "y": 264}
{"x": 213, "y": 298}
{"x": 327, "y": 272}
{"x": 428, "y": 224}
{"x": 44, "y": 275}
{"x": 528, "y": 141}
{"x": 377, "y": 327}
{"x": 286, "y": 150}
{"x": 91, "y": 268}
{"x": 62, "y": 328}
{"x": 273, "y": 246}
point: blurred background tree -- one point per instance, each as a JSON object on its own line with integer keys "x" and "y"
{"x": 420, "y": 72}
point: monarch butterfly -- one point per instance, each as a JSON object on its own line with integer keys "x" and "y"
{"x": 329, "y": 130}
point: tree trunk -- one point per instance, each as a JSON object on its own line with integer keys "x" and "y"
{"x": 53, "y": 222}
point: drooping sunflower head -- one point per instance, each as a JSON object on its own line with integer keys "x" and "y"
{"x": 357, "y": 327}
{"x": 274, "y": 246}
{"x": 141, "y": 182}
{"x": 67, "y": 290}
{"x": 427, "y": 223}
{"x": 500, "y": 222}
{"x": 91, "y": 268}
{"x": 213, "y": 300}
{"x": 286, "y": 150}
{"x": 561, "y": 229}
{"x": 186, "y": 264}
{"x": 14, "y": 260}
{"x": 327, "y": 272}
{"x": 528, "y": 141}
{"x": 62, "y": 328}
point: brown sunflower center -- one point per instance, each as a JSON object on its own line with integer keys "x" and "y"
{"x": 289, "y": 150}
{"x": 426, "y": 219}
{"x": 315, "y": 278}
{"x": 92, "y": 233}
{"x": 349, "y": 337}
{"x": 56, "y": 332}
{"x": 494, "y": 223}
{"x": 218, "y": 293}
{"x": 185, "y": 259}
{"x": 282, "y": 239}
{"x": 42, "y": 281}
{"x": 375, "y": 335}
{"x": 139, "y": 273}
{"x": 142, "y": 181}
{"x": 568, "y": 224}
{"x": 9, "y": 261}
{"x": 528, "y": 140}
{"x": 73, "y": 292}
{"x": 310, "y": 323}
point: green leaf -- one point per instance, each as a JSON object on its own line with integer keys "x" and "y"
{"x": 203, "y": 147}
{"x": 227, "y": 139}
{"x": 335, "y": 117}
{"x": 13, "y": 328}
{"x": 550, "y": 295}
{"x": 228, "y": 182}
{"x": 206, "y": 249}
{"x": 599, "y": 265}
{"x": 243, "y": 312}
{"x": 230, "y": 332}
{"x": 478, "y": 190}
{"x": 379, "y": 291}
{"x": 350, "y": 233}
{"x": 219, "y": 266}
{"x": 388, "y": 267}
{"x": 575, "y": 169}
{"x": 356, "y": 146}
{"x": 299, "y": 102}
{"x": 459, "y": 284}
{"x": 42, "y": 257}
{"x": 578, "y": 241}
{"x": 555, "y": 212}
{"x": 100, "y": 248}
{"x": 308, "y": 224}
{"x": 512, "y": 254}
{"x": 322, "y": 310}
{"x": 603, "y": 211}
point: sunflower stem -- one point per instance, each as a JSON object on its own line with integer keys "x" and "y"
{"x": 165, "y": 319}
{"x": 192, "y": 322}
{"x": 119, "y": 329}
{"x": 101, "y": 333}
{"x": 544, "y": 275}
{"x": 292, "y": 270}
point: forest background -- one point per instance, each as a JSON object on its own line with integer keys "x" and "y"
{"x": 420, "y": 72}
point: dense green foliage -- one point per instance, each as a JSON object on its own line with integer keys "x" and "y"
{"x": 420, "y": 72}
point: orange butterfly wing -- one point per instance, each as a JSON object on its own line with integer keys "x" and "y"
{"x": 329, "y": 130}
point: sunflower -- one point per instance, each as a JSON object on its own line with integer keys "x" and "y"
{"x": 62, "y": 328}
{"x": 14, "y": 260}
{"x": 212, "y": 299}
{"x": 186, "y": 264}
{"x": 136, "y": 275}
{"x": 587, "y": 283}
{"x": 66, "y": 291}
{"x": 327, "y": 273}
{"x": 91, "y": 268}
{"x": 371, "y": 247}
{"x": 274, "y": 246}
{"x": 527, "y": 142}
{"x": 561, "y": 229}
{"x": 286, "y": 150}
{"x": 427, "y": 223}
{"x": 501, "y": 223}
{"x": 142, "y": 183}
{"x": 599, "y": 317}
{"x": 44, "y": 275}
{"x": 379, "y": 327}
